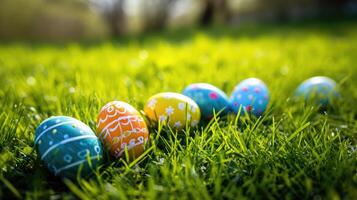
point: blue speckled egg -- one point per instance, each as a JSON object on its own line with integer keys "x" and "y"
{"x": 209, "y": 98}
{"x": 322, "y": 89}
{"x": 252, "y": 95}
{"x": 68, "y": 147}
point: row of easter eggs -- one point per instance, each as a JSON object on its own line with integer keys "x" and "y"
{"x": 69, "y": 148}
{"x": 250, "y": 96}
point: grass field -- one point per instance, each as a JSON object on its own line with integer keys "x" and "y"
{"x": 293, "y": 152}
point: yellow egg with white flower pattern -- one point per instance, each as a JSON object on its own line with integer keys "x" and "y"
{"x": 173, "y": 109}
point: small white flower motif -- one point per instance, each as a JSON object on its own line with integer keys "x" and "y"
{"x": 178, "y": 124}
{"x": 132, "y": 143}
{"x": 194, "y": 123}
{"x": 193, "y": 108}
{"x": 239, "y": 96}
{"x": 162, "y": 118}
{"x": 169, "y": 110}
{"x": 152, "y": 103}
{"x": 50, "y": 143}
{"x": 54, "y": 131}
{"x": 260, "y": 102}
{"x": 188, "y": 116}
{"x": 181, "y": 106}
{"x": 167, "y": 96}
{"x": 250, "y": 97}
{"x": 141, "y": 139}
{"x": 65, "y": 136}
{"x": 110, "y": 108}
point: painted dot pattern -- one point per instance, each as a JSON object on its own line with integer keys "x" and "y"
{"x": 322, "y": 89}
{"x": 120, "y": 126}
{"x": 209, "y": 98}
{"x": 251, "y": 95}
{"x": 173, "y": 109}
{"x": 68, "y": 147}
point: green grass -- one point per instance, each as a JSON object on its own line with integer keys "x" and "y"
{"x": 293, "y": 152}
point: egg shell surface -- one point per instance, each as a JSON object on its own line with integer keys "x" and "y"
{"x": 120, "y": 126}
{"x": 323, "y": 89}
{"x": 252, "y": 95}
{"x": 209, "y": 98}
{"x": 66, "y": 145}
{"x": 173, "y": 109}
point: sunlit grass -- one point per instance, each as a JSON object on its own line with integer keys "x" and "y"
{"x": 294, "y": 151}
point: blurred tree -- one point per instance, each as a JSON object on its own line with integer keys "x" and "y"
{"x": 262, "y": 10}
{"x": 135, "y": 16}
{"x": 113, "y": 12}
{"x": 185, "y": 13}
{"x": 56, "y": 20}
{"x": 216, "y": 11}
{"x": 76, "y": 19}
{"x": 129, "y": 16}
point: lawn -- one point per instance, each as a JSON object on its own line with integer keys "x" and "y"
{"x": 294, "y": 151}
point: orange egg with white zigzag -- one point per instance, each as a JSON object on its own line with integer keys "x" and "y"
{"x": 120, "y": 126}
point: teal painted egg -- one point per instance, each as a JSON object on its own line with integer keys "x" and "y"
{"x": 68, "y": 147}
{"x": 322, "y": 90}
{"x": 209, "y": 98}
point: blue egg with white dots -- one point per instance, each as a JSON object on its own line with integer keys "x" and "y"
{"x": 209, "y": 98}
{"x": 250, "y": 96}
{"x": 320, "y": 89}
{"x": 68, "y": 147}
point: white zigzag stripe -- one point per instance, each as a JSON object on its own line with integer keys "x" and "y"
{"x": 106, "y": 106}
{"x": 51, "y": 127}
{"x": 109, "y": 116}
{"x": 117, "y": 111}
{"x": 65, "y": 142}
{"x": 75, "y": 164}
{"x": 129, "y": 147}
{"x": 122, "y": 136}
{"x": 114, "y": 104}
{"x": 106, "y": 128}
{"x": 110, "y": 130}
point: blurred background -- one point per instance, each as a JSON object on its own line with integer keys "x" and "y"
{"x": 63, "y": 20}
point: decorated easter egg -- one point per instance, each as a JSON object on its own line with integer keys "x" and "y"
{"x": 68, "y": 147}
{"x": 121, "y": 128}
{"x": 173, "y": 109}
{"x": 209, "y": 98}
{"x": 251, "y": 95}
{"x": 319, "y": 88}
